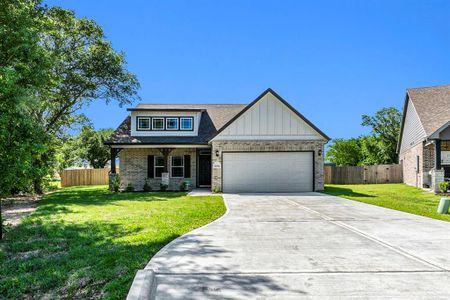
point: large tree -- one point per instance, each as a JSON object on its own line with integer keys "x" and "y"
{"x": 24, "y": 69}
{"x": 51, "y": 65}
{"x": 85, "y": 68}
{"x": 377, "y": 148}
{"x": 344, "y": 152}
{"x": 386, "y": 130}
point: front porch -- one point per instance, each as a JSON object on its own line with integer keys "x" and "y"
{"x": 170, "y": 165}
{"x": 440, "y": 171}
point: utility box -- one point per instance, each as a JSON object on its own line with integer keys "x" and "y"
{"x": 444, "y": 204}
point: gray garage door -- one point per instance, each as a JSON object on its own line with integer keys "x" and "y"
{"x": 267, "y": 172}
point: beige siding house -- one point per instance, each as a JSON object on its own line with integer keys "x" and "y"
{"x": 265, "y": 146}
{"x": 424, "y": 144}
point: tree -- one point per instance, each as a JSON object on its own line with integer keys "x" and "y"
{"x": 377, "y": 148}
{"x": 92, "y": 147}
{"x": 85, "y": 68}
{"x": 386, "y": 129}
{"x": 24, "y": 69}
{"x": 345, "y": 152}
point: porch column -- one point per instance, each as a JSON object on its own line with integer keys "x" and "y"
{"x": 114, "y": 152}
{"x": 165, "y": 152}
{"x": 437, "y": 149}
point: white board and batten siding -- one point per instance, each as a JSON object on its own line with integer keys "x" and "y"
{"x": 413, "y": 131}
{"x": 269, "y": 119}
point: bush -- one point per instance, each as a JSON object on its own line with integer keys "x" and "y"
{"x": 163, "y": 187}
{"x": 185, "y": 185}
{"x": 216, "y": 189}
{"x": 115, "y": 183}
{"x": 129, "y": 188}
{"x": 147, "y": 187}
{"x": 443, "y": 186}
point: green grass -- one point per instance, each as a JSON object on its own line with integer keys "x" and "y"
{"x": 84, "y": 242}
{"x": 396, "y": 196}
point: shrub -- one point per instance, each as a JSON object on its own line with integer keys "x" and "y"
{"x": 443, "y": 186}
{"x": 163, "y": 187}
{"x": 147, "y": 187}
{"x": 184, "y": 186}
{"x": 129, "y": 188}
{"x": 216, "y": 189}
{"x": 115, "y": 183}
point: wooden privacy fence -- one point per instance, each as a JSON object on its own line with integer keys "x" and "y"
{"x": 85, "y": 177}
{"x": 364, "y": 174}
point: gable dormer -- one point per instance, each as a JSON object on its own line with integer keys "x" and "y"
{"x": 147, "y": 121}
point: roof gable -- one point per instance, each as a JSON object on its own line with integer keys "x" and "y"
{"x": 432, "y": 105}
{"x": 270, "y": 117}
{"x": 412, "y": 131}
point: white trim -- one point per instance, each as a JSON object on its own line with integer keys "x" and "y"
{"x": 160, "y": 146}
{"x": 173, "y": 118}
{"x": 159, "y": 118}
{"x": 144, "y": 118}
{"x": 191, "y": 119}
{"x": 172, "y": 166}
{"x": 155, "y": 166}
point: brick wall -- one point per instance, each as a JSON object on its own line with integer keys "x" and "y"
{"x": 408, "y": 160}
{"x": 133, "y": 167}
{"x": 269, "y": 146}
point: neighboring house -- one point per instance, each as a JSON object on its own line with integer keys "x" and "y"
{"x": 265, "y": 146}
{"x": 424, "y": 144}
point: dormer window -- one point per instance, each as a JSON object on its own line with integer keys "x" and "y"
{"x": 172, "y": 123}
{"x": 143, "y": 123}
{"x": 186, "y": 123}
{"x": 157, "y": 123}
{"x": 163, "y": 123}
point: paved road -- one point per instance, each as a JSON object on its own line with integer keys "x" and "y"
{"x": 307, "y": 245}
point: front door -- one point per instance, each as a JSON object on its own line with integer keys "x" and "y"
{"x": 204, "y": 168}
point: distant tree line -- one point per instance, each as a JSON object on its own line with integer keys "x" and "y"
{"x": 379, "y": 147}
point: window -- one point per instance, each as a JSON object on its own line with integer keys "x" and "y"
{"x": 143, "y": 123}
{"x": 159, "y": 166}
{"x": 177, "y": 166}
{"x": 158, "y": 124}
{"x": 186, "y": 123}
{"x": 172, "y": 123}
{"x": 417, "y": 164}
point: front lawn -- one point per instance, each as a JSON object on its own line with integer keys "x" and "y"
{"x": 84, "y": 242}
{"x": 396, "y": 196}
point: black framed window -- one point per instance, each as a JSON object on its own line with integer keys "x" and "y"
{"x": 171, "y": 123}
{"x": 186, "y": 123}
{"x": 159, "y": 166}
{"x": 157, "y": 123}
{"x": 143, "y": 123}
{"x": 177, "y": 166}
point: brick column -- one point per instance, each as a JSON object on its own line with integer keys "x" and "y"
{"x": 437, "y": 176}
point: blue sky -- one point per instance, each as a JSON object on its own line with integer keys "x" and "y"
{"x": 332, "y": 60}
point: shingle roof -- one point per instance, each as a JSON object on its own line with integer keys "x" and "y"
{"x": 432, "y": 105}
{"x": 214, "y": 117}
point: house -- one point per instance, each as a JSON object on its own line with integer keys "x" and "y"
{"x": 265, "y": 146}
{"x": 424, "y": 144}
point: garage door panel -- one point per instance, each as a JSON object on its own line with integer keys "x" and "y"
{"x": 267, "y": 172}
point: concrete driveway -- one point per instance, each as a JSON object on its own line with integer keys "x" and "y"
{"x": 307, "y": 245}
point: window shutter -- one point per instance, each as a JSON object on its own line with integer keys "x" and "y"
{"x": 150, "y": 165}
{"x": 187, "y": 166}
